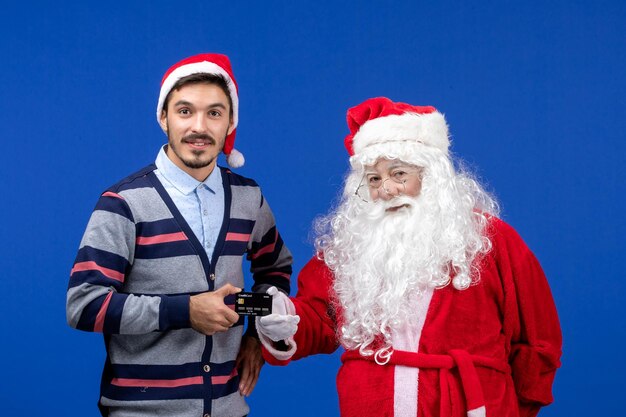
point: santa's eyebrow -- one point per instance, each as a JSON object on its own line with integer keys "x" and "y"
{"x": 403, "y": 165}
{"x": 398, "y": 165}
{"x": 371, "y": 170}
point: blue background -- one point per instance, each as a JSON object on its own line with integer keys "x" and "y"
{"x": 533, "y": 92}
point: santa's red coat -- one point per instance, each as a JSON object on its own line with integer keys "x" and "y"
{"x": 492, "y": 348}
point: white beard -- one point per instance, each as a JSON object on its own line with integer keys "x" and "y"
{"x": 383, "y": 261}
{"x": 379, "y": 283}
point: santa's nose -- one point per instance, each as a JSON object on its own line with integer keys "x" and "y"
{"x": 389, "y": 190}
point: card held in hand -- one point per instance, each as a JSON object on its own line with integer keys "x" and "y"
{"x": 253, "y": 304}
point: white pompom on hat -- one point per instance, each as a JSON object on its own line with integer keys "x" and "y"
{"x": 380, "y": 121}
{"x": 216, "y": 64}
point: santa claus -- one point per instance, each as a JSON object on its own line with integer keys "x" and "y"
{"x": 441, "y": 307}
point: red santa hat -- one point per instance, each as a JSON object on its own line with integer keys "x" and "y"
{"x": 381, "y": 123}
{"x": 216, "y": 64}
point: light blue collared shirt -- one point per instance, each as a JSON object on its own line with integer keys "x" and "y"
{"x": 200, "y": 203}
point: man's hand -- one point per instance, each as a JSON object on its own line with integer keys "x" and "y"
{"x": 249, "y": 363}
{"x": 207, "y": 312}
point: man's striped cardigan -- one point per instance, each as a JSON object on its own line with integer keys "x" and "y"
{"x": 138, "y": 264}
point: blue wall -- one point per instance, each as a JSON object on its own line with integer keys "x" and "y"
{"x": 531, "y": 90}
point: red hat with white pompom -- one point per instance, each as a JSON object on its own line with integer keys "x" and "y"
{"x": 216, "y": 64}
{"x": 380, "y": 121}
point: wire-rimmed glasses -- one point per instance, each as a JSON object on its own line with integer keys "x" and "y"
{"x": 372, "y": 184}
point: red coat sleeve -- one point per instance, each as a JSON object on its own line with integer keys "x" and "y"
{"x": 530, "y": 321}
{"x": 317, "y": 328}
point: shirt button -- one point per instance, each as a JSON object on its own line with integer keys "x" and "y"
{"x": 205, "y": 212}
{"x": 206, "y": 368}
{"x": 212, "y": 276}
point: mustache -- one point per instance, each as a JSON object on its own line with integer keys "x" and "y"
{"x": 201, "y": 136}
{"x": 398, "y": 201}
{"x": 382, "y": 205}
{"x": 377, "y": 210}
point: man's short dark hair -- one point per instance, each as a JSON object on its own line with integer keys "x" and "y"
{"x": 201, "y": 78}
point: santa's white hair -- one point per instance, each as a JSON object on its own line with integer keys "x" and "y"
{"x": 383, "y": 260}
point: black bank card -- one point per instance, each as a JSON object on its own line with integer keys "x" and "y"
{"x": 253, "y": 304}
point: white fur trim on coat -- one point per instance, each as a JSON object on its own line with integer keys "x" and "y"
{"x": 477, "y": 412}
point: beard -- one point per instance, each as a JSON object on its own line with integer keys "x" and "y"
{"x": 384, "y": 261}
{"x": 196, "y": 161}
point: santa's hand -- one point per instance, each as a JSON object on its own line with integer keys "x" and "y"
{"x": 281, "y": 325}
{"x": 283, "y": 322}
{"x": 281, "y": 304}
{"x": 278, "y": 326}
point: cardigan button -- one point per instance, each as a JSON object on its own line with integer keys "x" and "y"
{"x": 207, "y": 415}
{"x": 212, "y": 276}
{"x": 206, "y": 368}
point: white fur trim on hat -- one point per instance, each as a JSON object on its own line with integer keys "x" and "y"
{"x": 411, "y": 152}
{"x": 203, "y": 67}
{"x": 429, "y": 129}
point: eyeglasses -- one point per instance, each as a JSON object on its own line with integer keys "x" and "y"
{"x": 371, "y": 184}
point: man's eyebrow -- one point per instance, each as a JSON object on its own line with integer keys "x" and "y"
{"x": 182, "y": 103}
{"x": 187, "y": 103}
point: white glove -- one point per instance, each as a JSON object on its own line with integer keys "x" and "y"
{"x": 278, "y": 327}
{"x": 282, "y": 324}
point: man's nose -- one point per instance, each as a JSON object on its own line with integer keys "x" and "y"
{"x": 199, "y": 123}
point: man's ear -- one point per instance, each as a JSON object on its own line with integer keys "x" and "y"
{"x": 163, "y": 121}
{"x": 231, "y": 126}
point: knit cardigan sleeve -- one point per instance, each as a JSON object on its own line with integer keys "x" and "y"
{"x": 102, "y": 264}
{"x": 270, "y": 260}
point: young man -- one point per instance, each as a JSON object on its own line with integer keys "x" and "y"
{"x": 441, "y": 307}
{"x": 163, "y": 250}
